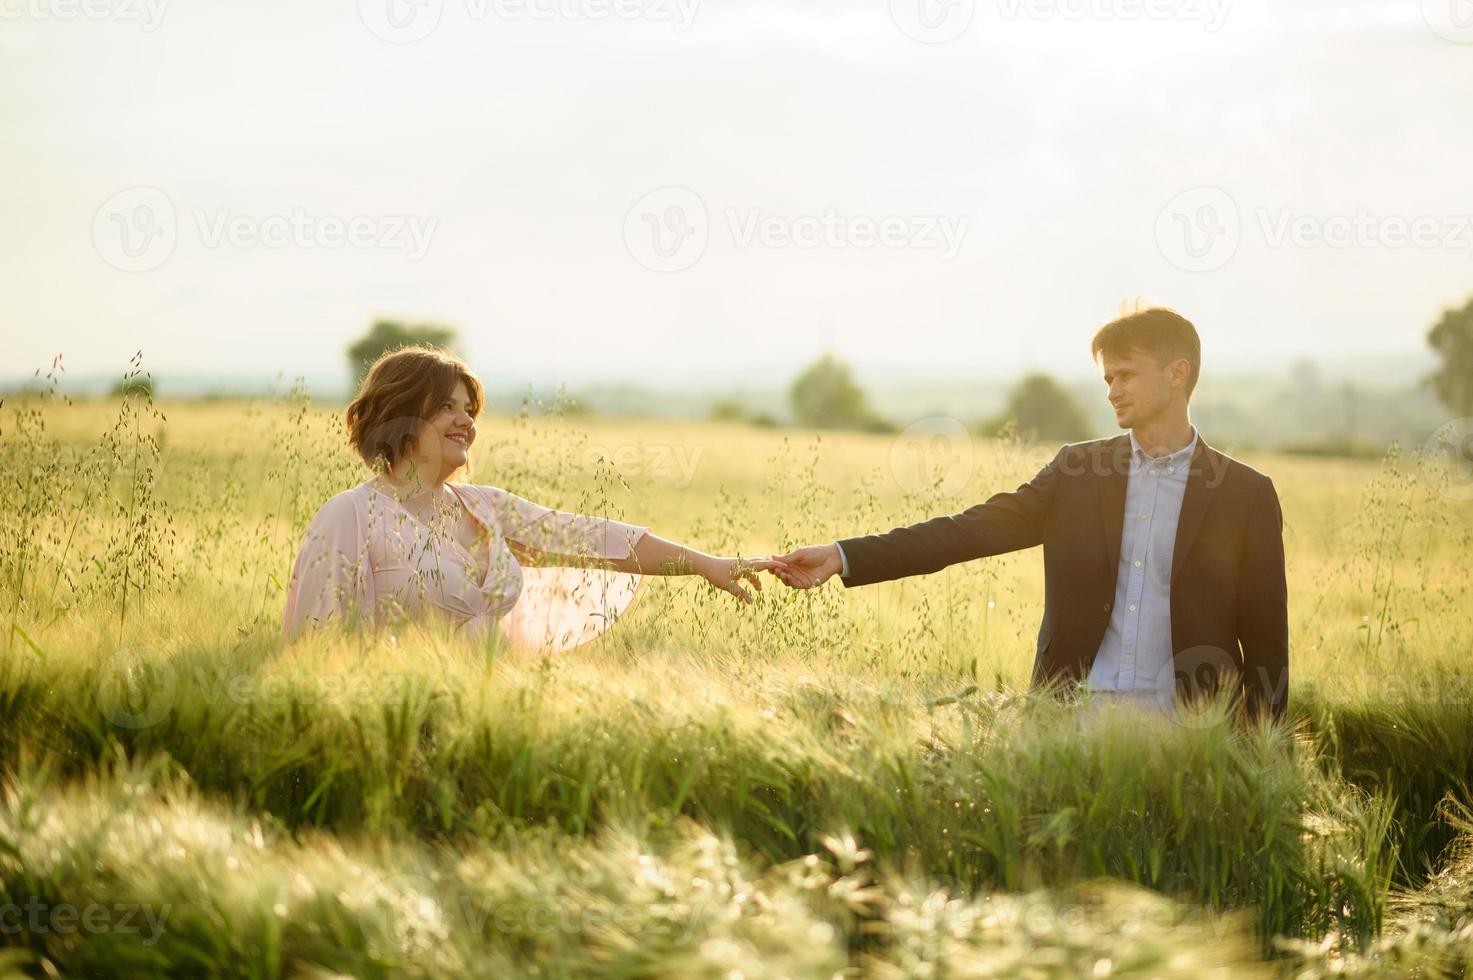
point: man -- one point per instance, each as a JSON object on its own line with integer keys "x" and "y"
{"x": 1163, "y": 558}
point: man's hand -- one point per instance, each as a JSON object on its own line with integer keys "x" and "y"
{"x": 805, "y": 568}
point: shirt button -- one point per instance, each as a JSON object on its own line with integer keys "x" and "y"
{"x": 1132, "y": 607}
{"x": 1137, "y": 564}
{"x": 1143, "y": 517}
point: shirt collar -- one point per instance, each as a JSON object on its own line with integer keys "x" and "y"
{"x": 1181, "y": 455}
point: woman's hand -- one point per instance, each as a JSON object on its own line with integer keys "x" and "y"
{"x": 727, "y": 574}
{"x": 807, "y": 568}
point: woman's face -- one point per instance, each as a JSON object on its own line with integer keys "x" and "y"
{"x": 445, "y": 442}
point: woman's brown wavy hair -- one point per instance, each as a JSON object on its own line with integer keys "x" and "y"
{"x": 400, "y": 393}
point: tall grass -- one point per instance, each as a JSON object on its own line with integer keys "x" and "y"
{"x": 1007, "y": 792}
{"x": 825, "y": 781}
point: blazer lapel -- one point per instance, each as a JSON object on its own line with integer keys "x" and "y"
{"x": 1112, "y": 497}
{"x": 1194, "y": 504}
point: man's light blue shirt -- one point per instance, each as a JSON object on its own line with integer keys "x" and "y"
{"x": 1135, "y": 655}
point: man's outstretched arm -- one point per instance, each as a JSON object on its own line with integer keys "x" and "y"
{"x": 1005, "y": 522}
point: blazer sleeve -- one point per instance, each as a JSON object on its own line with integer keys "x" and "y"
{"x": 553, "y": 537}
{"x": 1263, "y": 608}
{"x": 332, "y": 578}
{"x": 1004, "y": 522}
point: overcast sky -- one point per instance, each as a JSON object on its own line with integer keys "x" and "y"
{"x": 671, "y": 192}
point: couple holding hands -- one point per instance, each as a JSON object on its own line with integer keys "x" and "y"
{"x": 1163, "y": 558}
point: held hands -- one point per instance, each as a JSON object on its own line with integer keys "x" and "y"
{"x": 801, "y": 568}
{"x": 807, "y": 568}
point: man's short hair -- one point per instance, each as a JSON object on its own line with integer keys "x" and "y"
{"x": 1162, "y": 333}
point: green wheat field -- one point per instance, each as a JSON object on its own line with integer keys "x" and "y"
{"x": 825, "y": 783}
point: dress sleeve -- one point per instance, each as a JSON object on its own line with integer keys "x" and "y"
{"x": 565, "y": 602}
{"x": 332, "y": 578}
{"x": 541, "y": 536}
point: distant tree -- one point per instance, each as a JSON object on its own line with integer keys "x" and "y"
{"x": 134, "y": 384}
{"x": 735, "y": 410}
{"x": 1042, "y": 409}
{"x": 1452, "y": 338}
{"x": 386, "y": 335}
{"x": 728, "y": 410}
{"x": 825, "y": 396}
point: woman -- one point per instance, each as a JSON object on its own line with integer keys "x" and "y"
{"x": 409, "y": 543}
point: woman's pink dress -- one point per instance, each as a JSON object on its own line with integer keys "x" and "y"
{"x": 365, "y": 559}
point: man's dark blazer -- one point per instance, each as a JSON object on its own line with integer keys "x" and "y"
{"x": 1229, "y": 598}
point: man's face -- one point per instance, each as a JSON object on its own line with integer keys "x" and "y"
{"x": 1140, "y": 389}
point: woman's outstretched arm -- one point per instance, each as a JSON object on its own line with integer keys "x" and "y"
{"x": 540, "y": 535}
{"x": 654, "y": 555}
